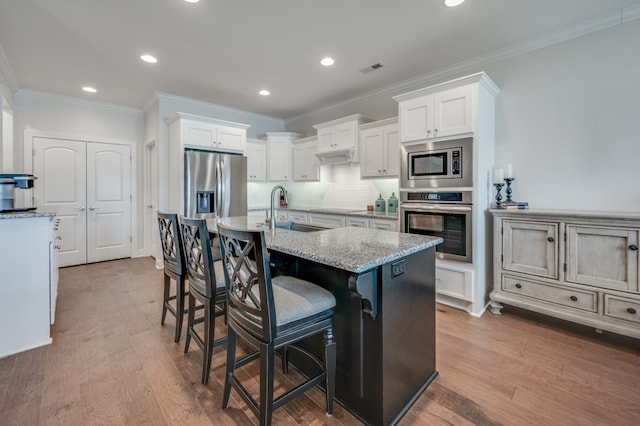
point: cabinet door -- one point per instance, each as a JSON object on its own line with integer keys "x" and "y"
{"x": 345, "y": 135}
{"x": 603, "y": 257}
{"x": 199, "y": 134}
{"x": 312, "y": 169}
{"x": 231, "y": 138}
{"x": 452, "y": 112}
{"x": 387, "y": 225}
{"x": 358, "y": 222}
{"x": 326, "y": 139}
{"x": 392, "y": 151}
{"x": 416, "y": 119}
{"x": 299, "y": 162}
{"x": 371, "y": 152}
{"x": 256, "y": 161}
{"x": 530, "y": 247}
{"x": 279, "y": 160}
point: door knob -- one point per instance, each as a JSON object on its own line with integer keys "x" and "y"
{"x": 81, "y": 209}
{"x": 93, "y": 208}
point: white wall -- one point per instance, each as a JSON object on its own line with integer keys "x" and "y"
{"x": 567, "y": 119}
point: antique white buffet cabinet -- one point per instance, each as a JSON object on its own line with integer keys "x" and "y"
{"x": 581, "y": 267}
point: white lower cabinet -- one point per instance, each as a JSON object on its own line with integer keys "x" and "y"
{"x": 581, "y": 267}
{"x": 358, "y": 222}
{"x": 29, "y": 282}
{"x": 454, "y": 281}
{"x": 386, "y": 225}
{"x": 326, "y": 220}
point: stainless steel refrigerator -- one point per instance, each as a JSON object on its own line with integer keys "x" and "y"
{"x": 215, "y": 184}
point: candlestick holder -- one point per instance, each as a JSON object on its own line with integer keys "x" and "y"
{"x": 498, "y": 195}
{"x": 508, "y": 190}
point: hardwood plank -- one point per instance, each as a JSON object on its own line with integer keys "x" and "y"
{"x": 109, "y": 349}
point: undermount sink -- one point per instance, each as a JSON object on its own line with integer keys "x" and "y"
{"x": 300, "y": 227}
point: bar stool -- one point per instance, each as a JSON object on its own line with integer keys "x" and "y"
{"x": 270, "y": 314}
{"x": 174, "y": 269}
{"x": 206, "y": 285}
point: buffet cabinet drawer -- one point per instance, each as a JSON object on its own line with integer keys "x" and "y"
{"x": 619, "y": 307}
{"x": 574, "y": 298}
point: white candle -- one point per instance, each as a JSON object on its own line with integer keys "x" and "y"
{"x": 508, "y": 173}
{"x": 498, "y": 175}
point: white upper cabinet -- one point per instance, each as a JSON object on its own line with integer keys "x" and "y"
{"x": 438, "y": 115}
{"x": 338, "y": 140}
{"x": 256, "y": 160}
{"x": 306, "y": 167}
{"x": 446, "y": 109}
{"x": 380, "y": 149}
{"x": 210, "y": 133}
{"x": 279, "y": 155}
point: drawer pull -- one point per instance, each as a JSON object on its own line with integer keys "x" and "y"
{"x": 633, "y": 247}
{"x": 631, "y": 311}
{"x": 574, "y": 298}
{"x": 518, "y": 285}
{"x": 550, "y": 239}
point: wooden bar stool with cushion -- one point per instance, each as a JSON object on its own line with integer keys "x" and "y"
{"x": 206, "y": 285}
{"x": 270, "y": 314}
{"x": 174, "y": 269}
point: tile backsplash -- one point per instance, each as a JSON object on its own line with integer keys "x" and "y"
{"x": 340, "y": 186}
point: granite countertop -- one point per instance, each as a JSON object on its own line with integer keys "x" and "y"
{"x": 339, "y": 211}
{"x": 25, "y": 215}
{"x": 351, "y": 249}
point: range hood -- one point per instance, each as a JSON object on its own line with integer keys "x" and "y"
{"x": 336, "y": 156}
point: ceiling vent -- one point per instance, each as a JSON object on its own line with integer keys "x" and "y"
{"x": 371, "y": 68}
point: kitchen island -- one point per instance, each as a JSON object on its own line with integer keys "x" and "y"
{"x": 384, "y": 323}
{"x": 28, "y": 284}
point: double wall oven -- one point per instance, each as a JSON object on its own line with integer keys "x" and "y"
{"x": 433, "y": 196}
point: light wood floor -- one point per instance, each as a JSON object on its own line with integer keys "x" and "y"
{"x": 112, "y": 363}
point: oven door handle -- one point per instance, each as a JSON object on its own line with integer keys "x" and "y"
{"x": 435, "y": 207}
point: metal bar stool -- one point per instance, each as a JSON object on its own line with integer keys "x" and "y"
{"x": 270, "y": 314}
{"x": 206, "y": 285}
{"x": 174, "y": 269}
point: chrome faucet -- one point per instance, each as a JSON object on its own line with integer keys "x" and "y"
{"x": 272, "y": 220}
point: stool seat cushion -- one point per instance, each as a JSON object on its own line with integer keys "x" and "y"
{"x": 297, "y": 300}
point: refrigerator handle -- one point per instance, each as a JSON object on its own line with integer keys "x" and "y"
{"x": 218, "y": 188}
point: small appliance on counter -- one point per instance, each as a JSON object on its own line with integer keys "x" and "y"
{"x": 283, "y": 199}
{"x": 8, "y": 184}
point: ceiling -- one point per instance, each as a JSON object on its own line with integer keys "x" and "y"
{"x": 225, "y": 51}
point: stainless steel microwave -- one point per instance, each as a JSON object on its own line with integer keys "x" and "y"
{"x": 442, "y": 164}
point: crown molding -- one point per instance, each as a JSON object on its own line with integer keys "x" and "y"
{"x": 459, "y": 69}
{"x": 160, "y": 96}
{"x": 54, "y": 97}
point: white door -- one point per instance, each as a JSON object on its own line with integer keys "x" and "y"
{"x": 88, "y": 186}
{"x": 108, "y": 202}
{"x": 60, "y": 166}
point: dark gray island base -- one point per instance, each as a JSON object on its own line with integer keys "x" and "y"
{"x": 384, "y": 322}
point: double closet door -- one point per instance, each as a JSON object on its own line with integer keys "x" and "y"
{"x": 88, "y": 186}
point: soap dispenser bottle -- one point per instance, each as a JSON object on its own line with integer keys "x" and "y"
{"x": 380, "y": 205}
{"x": 392, "y": 205}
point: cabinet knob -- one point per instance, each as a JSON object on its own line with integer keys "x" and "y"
{"x": 518, "y": 285}
{"x": 631, "y": 311}
{"x": 550, "y": 239}
{"x": 633, "y": 247}
{"x": 435, "y": 130}
{"x": 574, "y": 298}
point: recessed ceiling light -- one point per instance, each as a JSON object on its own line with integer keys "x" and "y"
{"x": 149, "y": 58}
{"x": 453, "y": 3}
{"x": 264, "y": 92}
{"x": 192, "y": 1}
{"x": 327, "y": 62}
{"x": 89, "y": 89}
